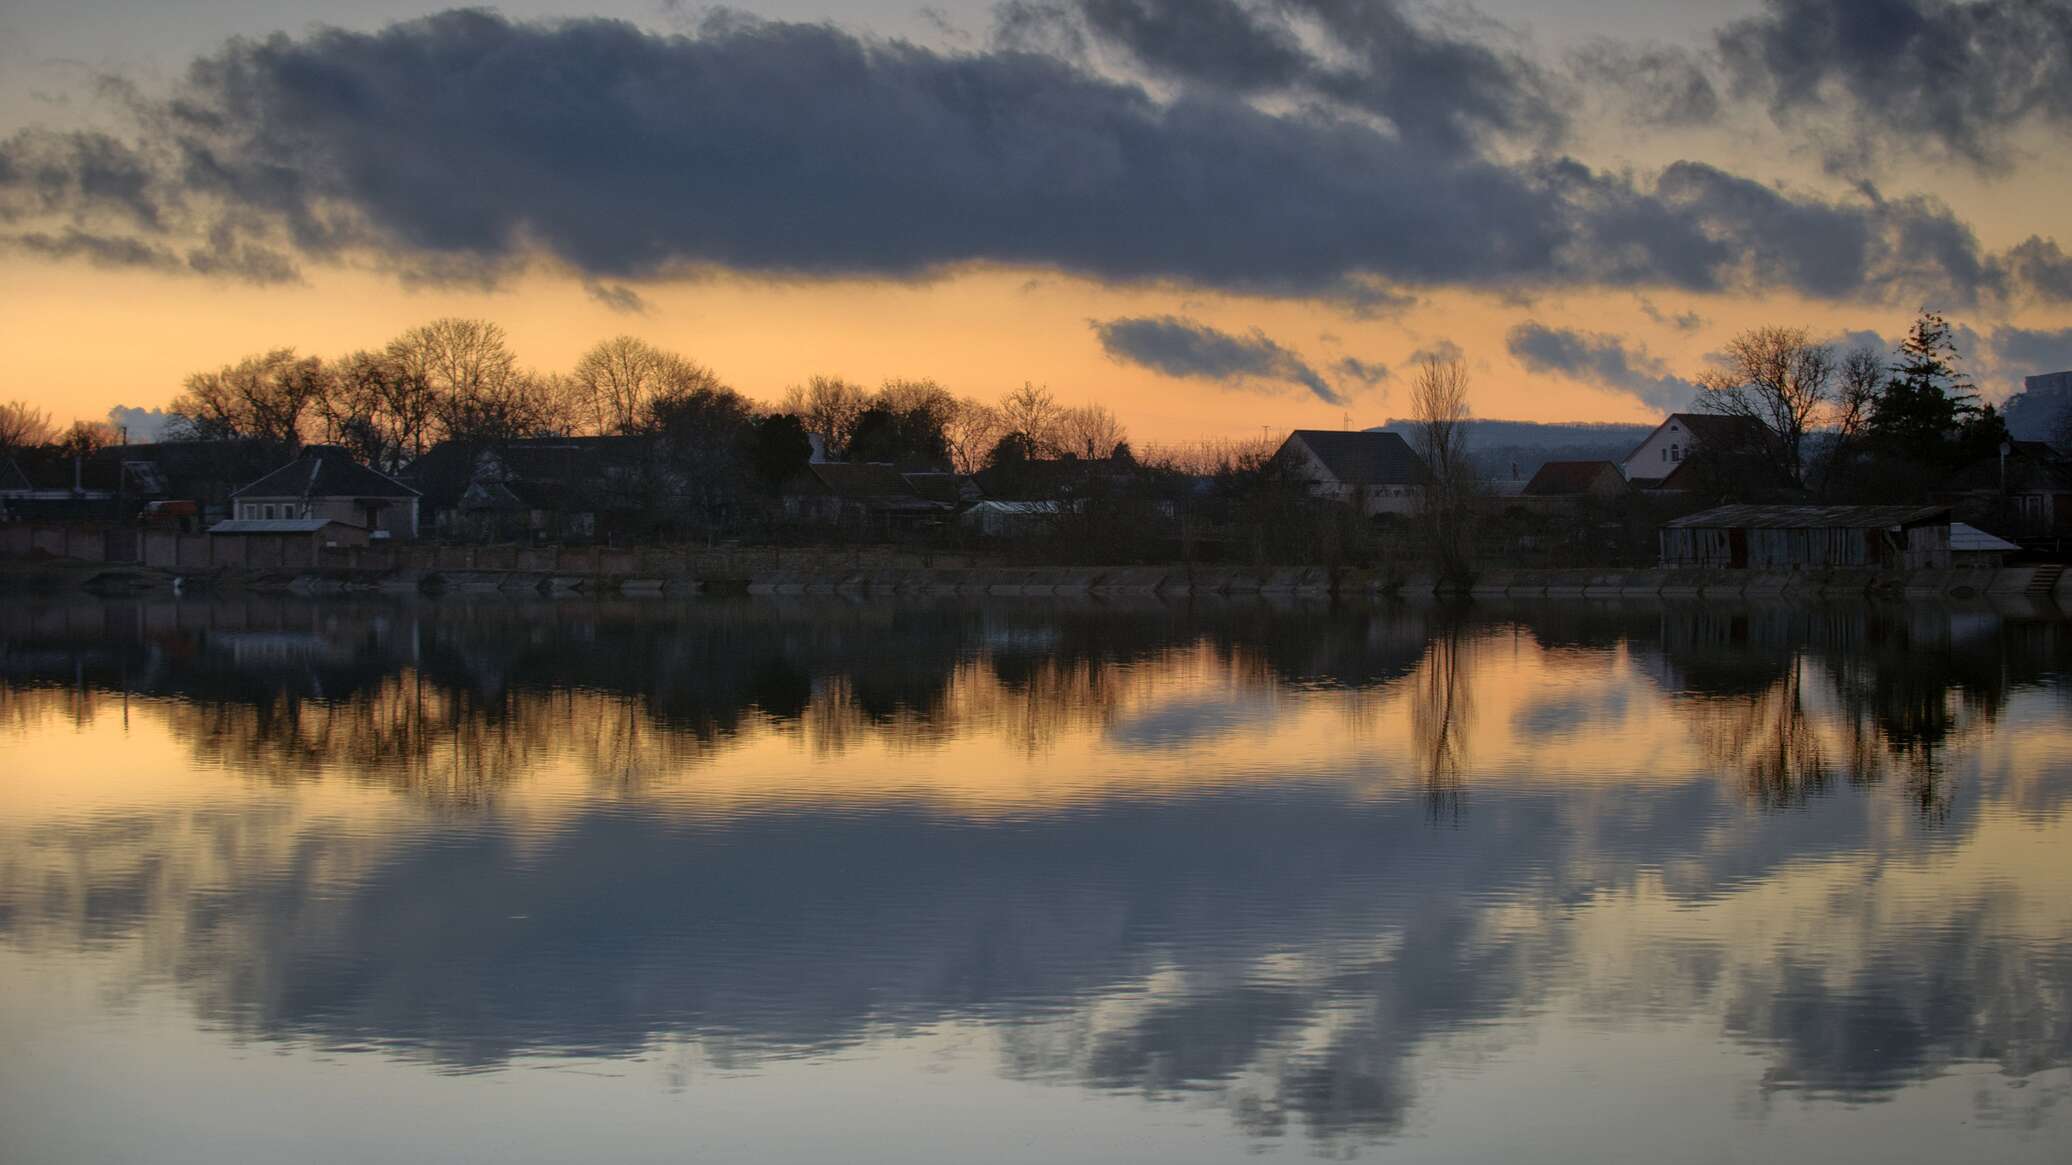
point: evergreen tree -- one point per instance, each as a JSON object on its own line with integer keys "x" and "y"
{"x": 1929, "y": 413}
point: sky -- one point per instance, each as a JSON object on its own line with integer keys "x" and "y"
{"x": 1212, "y": 216}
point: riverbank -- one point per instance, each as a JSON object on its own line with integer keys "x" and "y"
{"x": 801, "y": 574}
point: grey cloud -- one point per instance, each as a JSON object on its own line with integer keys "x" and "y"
{"x": 2043, "y": 411}
{"x": 1956, "y": 78}
{"x": 2041, "y": 266}
{"x": 1656, "y": 85}
{"x": 462, "y": 145}
{"x": 2028, "y": 351}
{"x": 1683, "y": 321}
{"x": 97, "y": 249}
{"x": 1185, "y": 349}
{"x": 616, "y": 296}
{"x": 1442, "y": 350}
{"x": 1599, "y": 359}
{"x": 1354, "y": 368}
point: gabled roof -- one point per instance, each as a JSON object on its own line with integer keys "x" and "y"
{"x": 1811, "y": 517}
{"x": 865, "y": 480}
{"x": 1364, "y": 458}
{"x": 325, "y": 471}
{"x": 1720, "y": 432}
{"x": 1571, "y": 477}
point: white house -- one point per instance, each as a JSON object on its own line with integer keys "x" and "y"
{"x": 1681, "y": 434}
{"x": 1377, "y": 472}
{"x": 326, "y": 483}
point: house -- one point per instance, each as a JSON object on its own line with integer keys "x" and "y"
{"x": 1374, "y": 471}
{"x": 869, "y": 495}
{"x": 1809, "y": 538}
{"x": 43, "y": 485}
{"x": 2025, "y": 493}
{"x": 999, "y": 519}
{"x": 159, "y": 477}
{"x": 326, "y": 483}
{"x": 1599, "y": 480}
{"x": 1680, "y": 435}
{"x": 544, "y": 488}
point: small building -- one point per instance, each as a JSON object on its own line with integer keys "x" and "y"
{"x": 544, "y": 489}
{"x": 1598, "y": 480}
{"x": 326, "y": 483}
{"x": 866, "y": 496}
{"x": 1971, "y": 546}
{"x": 316, "y": 531}
{"x": 1376, "y": 472}
{"x": 1005, "y": 519}
{"x": 2024, "y": 493}
{"x": 1681, "y": 435}
{"x": 1809, "y": 538}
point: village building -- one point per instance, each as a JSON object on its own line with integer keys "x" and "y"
{"x": 1576, "y": 480}
{"x": 2025, "y": 493}
{"x": 1971, "y": 546}
{"x": 541, "y": 489}
{"x": 325, "y": 483}
{"x": 1681, "y": 436}
{"x": 1375, "y": 472}
{"x": 1790, "y": 538}
{"x": 861, "y": 496}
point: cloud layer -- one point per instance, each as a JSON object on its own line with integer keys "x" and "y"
{"x": 464, "y": 145}
{"x": 1602, "y": 360}
{"x": 1186, "y": 349}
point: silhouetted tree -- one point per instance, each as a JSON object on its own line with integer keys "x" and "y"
{"x": 779, "y": 449}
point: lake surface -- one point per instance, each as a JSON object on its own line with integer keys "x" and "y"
{"x": 814, "y": 882}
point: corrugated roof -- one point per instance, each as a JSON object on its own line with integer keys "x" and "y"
{"x": 272, "y": 525}
{"x": 1964, "y": 536}
{"x": 1811, "y": 517}
{"x": 325, "y": 472}
{"x": 1365, "y": 458}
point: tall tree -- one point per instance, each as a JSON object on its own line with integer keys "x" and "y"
{"x": 1090, "y": 432}
{"x": 1031, "y": 413}
{"x": 269, "y": 397}
{"x": 1780, "y": 379}
{"x": 457, "y": 370}
{"x": 970, "y": 430}
{"x": 1440, "y": 414}
{"x": 22, "y": 426}
{"x": 1929, "y": 412}
{"x": 829, "y": 407}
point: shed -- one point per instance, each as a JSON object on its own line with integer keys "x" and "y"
{"x": 1809, "y": 538}
{"x": 1600, "y": 479}
{"x": 320, "y": 531}
{"x": 1971, "y": 546}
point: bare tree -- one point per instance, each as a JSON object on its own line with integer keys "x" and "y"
{"x": 1030, "y": 412}
{"x": 1090, "y": 431}
{"x": 23, "y": 425}
{"x": 972, "y": 428}
{"x": 829, "y": 406}
{"x": 269, "y": 397}
{"x": 624, "y": 376}
{"x": 453, "y": 368}
{"x": 1439, "y": 412}
{"x": 1859, "y": 378}
{"x": 1780, "y": 379}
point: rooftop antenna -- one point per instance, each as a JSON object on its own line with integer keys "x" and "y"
{"x": 1346, "y": 419}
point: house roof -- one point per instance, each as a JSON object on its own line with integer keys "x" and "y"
{"x": 1811, "y": 517}
{"x": 325, "y": 471}
{"x": 860, "y": 480}
{"x": 1570, "y": 477}
{"x": 2031, "y": 467}
{"x": 1364, "y": 458}
{"x": 12, "y": 479}
{"x": 1720, "y": 432}
{"x": 273, "y": 525}
{"x": 1966, "y": 537}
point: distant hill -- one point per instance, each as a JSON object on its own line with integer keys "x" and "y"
{"x": 1502, "y": 449}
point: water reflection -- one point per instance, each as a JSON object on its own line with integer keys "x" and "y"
{"x": 1285, "y": 859}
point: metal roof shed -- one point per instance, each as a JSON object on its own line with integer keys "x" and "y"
{"x": 1809, "y": 538}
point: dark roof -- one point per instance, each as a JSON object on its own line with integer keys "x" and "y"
{"x": 937, "y": 487}
{"x": 1570, "y": 477}
{"x": 1366, "y": 458}
{"x": 1811, "y": 517}
{"x": 1722, "y": 433}
{"x": 867, "y": 480}
{"x": 325, "y": 471}
{"x": 11, "y": 476}
{"x": 543, "y": 472}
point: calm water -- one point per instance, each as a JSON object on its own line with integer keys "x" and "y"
{"x": 826, "y": 883}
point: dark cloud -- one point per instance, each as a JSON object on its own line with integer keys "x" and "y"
{"x": 1183, "y": 348}
{"x": 1443, "y": 350}
{"x": 1657, "y": 85}
{"x": 1954, "y": 79}
{"x": 96, "y": 249}
{"x": 2028, "y": 351}
{"x": 1683, "y": 321}
{"x": 616, "y": 296}
{"x": 1599, "y": 359}
{"x": 1366, "y": 372}
{"x": 2039, "y": 265}
{"x": 463, "y": 145}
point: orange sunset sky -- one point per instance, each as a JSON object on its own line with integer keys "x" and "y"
{"x": 965, "y": 192}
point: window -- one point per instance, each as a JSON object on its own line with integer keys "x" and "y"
{"x": 269, "y": 511}
{"x": 1665, "y": 454}
{"x": 251, "y": 511}
{"x": 1676, "y": 453}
